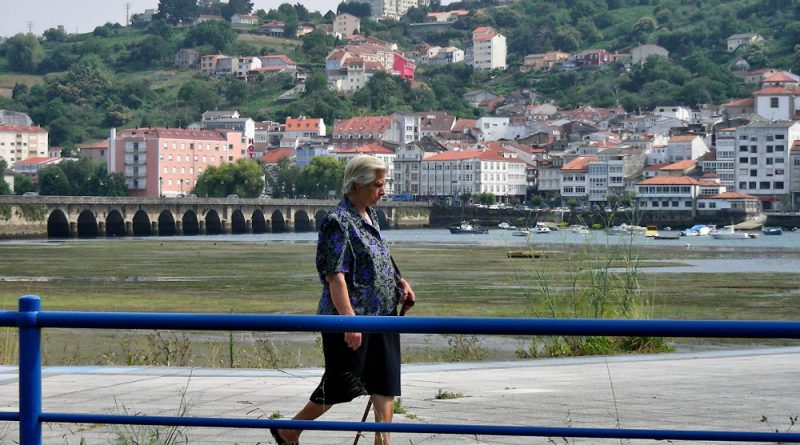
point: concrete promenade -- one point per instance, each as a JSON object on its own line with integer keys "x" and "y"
{"x": 725, "y": 390}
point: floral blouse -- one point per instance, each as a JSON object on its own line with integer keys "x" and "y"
{"x": 348, "y": 244}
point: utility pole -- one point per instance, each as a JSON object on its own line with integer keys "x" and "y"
{"x": 30, "y": 27}
{"x": 127, "y": 11}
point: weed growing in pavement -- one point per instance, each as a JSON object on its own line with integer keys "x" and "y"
{"x": 152, "y": 434}
{"x": 158, "y": 349}
{"x": 462, "y": 348}
{"x": 792, "y": 422}
{"x": 398, "y": 406}
{"x": 447, "y": 395}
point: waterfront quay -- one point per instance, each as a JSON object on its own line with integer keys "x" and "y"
{"x": 734, "y": 390}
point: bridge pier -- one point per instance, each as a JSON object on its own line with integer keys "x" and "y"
{"x": 202, "y": 227}
{"x": 226, "y": 227}
{"x": 128, "y": 228}
{"x": 179, "y": 227}
{"x": 73, "y": 229}
{"x": 101, "y": 228}
{"x": 248, "y": 226}
{"x": 154, "y": 228}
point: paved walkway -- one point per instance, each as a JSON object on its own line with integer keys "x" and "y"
{"x": 731, "y": 390}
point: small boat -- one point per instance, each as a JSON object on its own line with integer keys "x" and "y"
{"x": 541, "y": 228}
{"x": 660, "y": 235}
{"x": 698, "y": 230}
{"x": 468, "y": 228}
{"x": 522, "y": 232}
{"x": 728, "y": 232}
{"x": 506, "y": 226}
{"x": 583, "y": 230}
{"x": 523, "y": 254}
{"x": 772, "y": 230}
{"x": 651, "y": 231}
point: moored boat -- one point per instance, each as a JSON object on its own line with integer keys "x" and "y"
{"x": 729, "y": 232}
{"x": 541, "y": 228}
{"x": 467, "y": 227}
{"x": 579, "y": 229}
{"x": 698, "y": 230}
{"x": 772, "y": 230}
{"x": 651, "y": 231}
{"x": 521, "y": 232}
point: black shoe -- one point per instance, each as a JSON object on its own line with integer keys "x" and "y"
{"x": 280, "y": 440}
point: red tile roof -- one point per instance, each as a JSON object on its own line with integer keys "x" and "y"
{"x": 670, "y": 180}
{"x": 366, "y": 149}
{"x": 729, "y": 195}
{"x": 274, "y": 156}
{"x": 683, "y": 138}
{"x": 686, "y": 164}
{"x": 579, "y": 164}
{"x": 778, "y": 77}
{"x": 300, "y": 124}
{"x": 173, "y": 133}
{"x": 36, "y": 160}
{"x": 362, "y": 125}
{"x": 775, "y": 91}
{"x": 13, "y": 128}
{"x": 470, "y": 154}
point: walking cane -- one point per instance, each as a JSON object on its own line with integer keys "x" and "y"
{"x": 403, "y": 310}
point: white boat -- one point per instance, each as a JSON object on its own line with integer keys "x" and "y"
{"x": 506, "y": 226}
{"x": 699, "y": 230}
{"x": 626, "y": 229}
{"x": 583, "y": 230}
{"x": 541, "y": 228}
{"x": 728, "y": 232}
{"x": 521, "y": 232}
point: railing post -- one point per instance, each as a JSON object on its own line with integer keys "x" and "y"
{"x": 30, "y": 371}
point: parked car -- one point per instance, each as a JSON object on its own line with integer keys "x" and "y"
{"x": 30, "y": 194}
{"x": 265, "y": 196}
{"x": 190, "y": 195}
{"x": 232, "y": 196}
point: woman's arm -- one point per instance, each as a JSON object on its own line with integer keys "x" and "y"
{"x": 341, "y": 300}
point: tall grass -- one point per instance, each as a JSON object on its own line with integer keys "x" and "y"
{"x": 599, "y": 280}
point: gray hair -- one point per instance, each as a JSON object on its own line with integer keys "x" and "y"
{"x": 362, "y": 170}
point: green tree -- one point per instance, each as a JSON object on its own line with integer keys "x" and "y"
{"x": 53, "y": 182}
{"x": 322, "y": 175}
{"x": 236, "y": 7}
{"x": 317, "y": 44}
{"x": 284, "y": 179}
{"x": 176, "y": 12}
{"x": 486, "y": 198}
{"x": 152, "y": 51}
{"x": 22, "y": 184}
{"x": 23, "y": 52}
{"x": 358, "y": 9}
{"x": 4, "y": 187}
{"x": 54, "y": 35}
{"x": 215, "y": 33}
{"x": 114, "y": 185}
{"x": 198, "y": 96}
{"x": 243, "y": 177}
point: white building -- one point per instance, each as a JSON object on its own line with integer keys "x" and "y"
{"x": 777, "y": 103}
{"x": 682, "y": 113}
{"x": 454, "y": 173}
{"x": 488, "y": 49}
{"x": 393, "y": 9}
{"x": 18, "y": 142}
{"x": 723, "y": 163}
{"x": 667, "y": 193}
{"x": 575, "y": 179}
{"x": 762, "y": 153}
{"x": 679, "y": 148}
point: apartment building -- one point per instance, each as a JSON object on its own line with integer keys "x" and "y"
{"x": 488, "y": 50}
{"x": 19, "y": 142}
{"x": 454, "y": 173}
{"x": 304, "y": 127}
{"x": 168, "y": 161}
{"x": 722, "y": 161}
{"x": 762, "y": 160}
{"x": 346, "y": 24}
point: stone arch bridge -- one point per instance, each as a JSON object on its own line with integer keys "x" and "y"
{"x": 73, "y": 216}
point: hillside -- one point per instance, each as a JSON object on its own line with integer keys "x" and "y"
{"x": 78, "y": 86}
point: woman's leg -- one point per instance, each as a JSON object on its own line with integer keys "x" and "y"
{"x": 311, "y": 411}
{"x": 384, "y": 409}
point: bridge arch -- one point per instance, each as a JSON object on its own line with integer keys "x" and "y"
{"x": 213, "y": 223}
{"x": 189, "y": 223}
{"x": 259, "y": 222}
{"x": 238, "y": 223}
{"x": 57, "y": 225}
{"x": 301, "y": 222}
{"x": 278, "y": 223}
{"x": 87, "y": 224}
{"x": 141, "y": 224}
{"x": 115, "y": 224}
{"x": 166, "y": 224}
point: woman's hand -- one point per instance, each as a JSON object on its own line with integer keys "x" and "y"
{"x": 407, "y": 298}
{"x": 353, "y": 340}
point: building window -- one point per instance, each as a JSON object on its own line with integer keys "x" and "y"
{"x": 773, "y": 102}
{"x": 701, "y": 205}
{"x": 687, "y": 204}
{"x": 712, "y": 205}
{"x": 764, "y": 185}
{"x": 779, "y": 185}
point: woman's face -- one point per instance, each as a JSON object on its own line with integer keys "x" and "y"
{"x": 369, "y": 194}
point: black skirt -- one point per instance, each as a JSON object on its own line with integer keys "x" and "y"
{"x": 374, "y": 368}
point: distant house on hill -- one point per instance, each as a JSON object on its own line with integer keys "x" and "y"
{"x": 187, "y": 58}
{"x": 244, "y": 19}
{"x": 737, "y": 40}
{"x": 273, "y": 28}
{"x": 640, "y": 53}
{"x": 346, "y": 24}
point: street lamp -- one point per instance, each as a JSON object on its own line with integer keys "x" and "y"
{"x": 160, "y": 186}
{"x": 181, "y": 182}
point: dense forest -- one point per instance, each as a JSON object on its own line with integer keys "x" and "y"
{"x": 79, "y": 85}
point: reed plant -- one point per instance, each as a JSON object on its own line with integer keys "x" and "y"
{"x": 125, "y": 434}
{"x": 598, "y": 280}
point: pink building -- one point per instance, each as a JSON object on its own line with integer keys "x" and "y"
{"x": 167, "y": 161}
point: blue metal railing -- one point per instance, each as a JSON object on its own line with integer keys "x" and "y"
{"x": 30, "y": 320}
